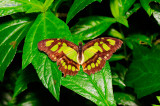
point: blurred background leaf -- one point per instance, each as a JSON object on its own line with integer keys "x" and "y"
{"x": 139, "y": 39}
{"x": 26, "y": 76}
{"x": 143, "y": 74}
{"x": 125, "y": 99}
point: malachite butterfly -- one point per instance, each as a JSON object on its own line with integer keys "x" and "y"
{"x": 92, "y": 56}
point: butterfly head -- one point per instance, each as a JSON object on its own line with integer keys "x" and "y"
{"x": 80, "y": 45}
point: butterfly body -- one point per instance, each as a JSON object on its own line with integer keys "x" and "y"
{"x": 80, "y": 56}
{"x": 92, "y": 56}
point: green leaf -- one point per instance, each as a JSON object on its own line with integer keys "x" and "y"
{"x": 139, "y": 39}
{"x": 136, "y": 7}
{"x": 47, "y": 25}
{"x": 156, "y": 15}
{"x": 97, "y": 87}
{"x": 125, "y": 99}
{"x": 155, "y": 105}
{"x": 145, "y": 5}
{"x": 120, "y": 7}
{"x": 11, "y": 35}
{"x": 48, "y": 73}
{"x": 91, "y": 27}
{"x": 147, "y": 8}
{"x": 8, "y": 7}
{"x": 35, "y": 5}
{"x": 117, "y": 81}
{"x": 56, "y": 5}
{"x": 158, "y": 98}
{"x": 47, "y": 4}
{"x": 117, "y": 57}
{"x": 26, "y": 76}
{"x": 143, "y": 74}
{"x": 123, "y": 20}
{"x": 114, "y": 8}
{"x": 115, "y": 33}
{"x": 118, "y": 75}
{"x": 77, "y": 6}
{"x": 30, "y": 99}
{"x": 156, "y": 7}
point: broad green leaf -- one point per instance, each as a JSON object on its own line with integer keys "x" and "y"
{"x": 48, "y": 73}
{"x": 36, "y": 6}
{"x": 77, "y": 6}
{"x": 117, "y": 57}
{"x": 26, "y": 76}
{"x": 139, "y": 39}
{"x": 11, "y": 34}
{"x": 47, "y": 25}
{"x": 143, "y": 74}
{"x": 97, "y": 87}
{"x": 115, "y": 33}
{"x": 120, "y": 7}
{"x": 125, "y": 99}
{"x": 8, "y": 7}
{"x": 91, "y": 27}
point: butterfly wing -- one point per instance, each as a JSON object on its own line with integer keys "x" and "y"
{"x": 97, "y": 51}
{"x": 62, "y": 51}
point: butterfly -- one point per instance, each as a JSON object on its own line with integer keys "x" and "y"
{"x": 92, "y": 56}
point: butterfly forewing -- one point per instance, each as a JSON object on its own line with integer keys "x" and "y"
{"x": 97, "y": 51}
{"x": 62, "y": 51}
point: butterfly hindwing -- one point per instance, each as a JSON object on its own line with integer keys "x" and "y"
{"x": 67, "y": 66}
{"x": 97, "y": 51}
{"x": 62, "y": 51}
{"x": 93, "y": 65}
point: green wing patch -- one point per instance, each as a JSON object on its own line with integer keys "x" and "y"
{"x": 62, "y": 51}
{"x": 97, "y": 51}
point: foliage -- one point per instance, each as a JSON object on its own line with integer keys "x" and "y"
{"x": 133, "y": 71}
